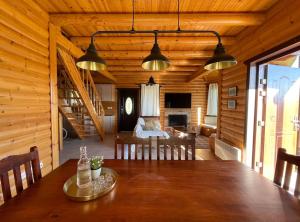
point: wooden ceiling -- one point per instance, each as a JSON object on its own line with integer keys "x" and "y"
{"x": 124, "y": 53}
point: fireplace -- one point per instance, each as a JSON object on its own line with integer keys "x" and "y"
{"x": 177, "y": 120}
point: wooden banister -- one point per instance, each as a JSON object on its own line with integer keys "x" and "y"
{"x": 83, "y": 84}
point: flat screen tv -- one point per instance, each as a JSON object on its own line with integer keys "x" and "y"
{"x": 178, "y": 100}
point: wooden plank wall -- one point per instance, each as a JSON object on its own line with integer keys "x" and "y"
{"x": 24, "y": 80}
{"x": 198, "y": 88}
{"x": 282, "y": 24}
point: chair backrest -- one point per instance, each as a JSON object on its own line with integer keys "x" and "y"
{"x": 127, "y": 142}
{"x": 290, "y": 160}
{"x": 176, "y": 144}
{"x": 31, "y": 163}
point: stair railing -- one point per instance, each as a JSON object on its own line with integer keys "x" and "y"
{"x": 93, "y": 92}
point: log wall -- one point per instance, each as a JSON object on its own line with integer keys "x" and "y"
{"x": 282, "y": 24}
{"x": 24, "y": 81}
{"x": 198, "y": 88}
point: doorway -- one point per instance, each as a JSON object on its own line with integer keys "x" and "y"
{"x": 277, "y": 111}
{"x": 128, "y": 109}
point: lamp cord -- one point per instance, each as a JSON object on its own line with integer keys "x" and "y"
{"x": 132, "y": 26}
{"x": 178, "y": 14}
{"x": 155, "y": 37}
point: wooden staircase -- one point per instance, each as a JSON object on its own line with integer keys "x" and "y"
{"x": 79, "y": 101}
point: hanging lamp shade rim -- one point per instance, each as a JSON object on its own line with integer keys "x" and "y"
{"x": 151, "y": 81}
{"x": 220, "y": 59}
{"x": 155, "y": 61}
{"x": 91, "y": 60}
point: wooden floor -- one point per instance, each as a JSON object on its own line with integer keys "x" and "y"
{"x": 205, "y": 154}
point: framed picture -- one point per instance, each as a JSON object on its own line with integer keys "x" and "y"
{"x": 232, "y": 91}
{"x": 231, "y": 104}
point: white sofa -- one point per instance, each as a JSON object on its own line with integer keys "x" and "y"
{"x": 141, "y": 132}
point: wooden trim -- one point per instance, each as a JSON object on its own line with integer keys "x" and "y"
{"x": 165, "y": 19}
{"x": 262, "y": 142}
{"x": 279, "y": 50}
{"x": 255, "y": 112}
{"x": 53, "y": 95}
{"x": 219, "y": 82}
{"x": 246, "y": 116}
{"x": 199, "y": 73}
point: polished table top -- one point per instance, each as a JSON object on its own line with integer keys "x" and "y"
{"x": 160, "y": 191}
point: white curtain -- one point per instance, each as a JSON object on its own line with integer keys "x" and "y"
{"x": 150, "y": 100}
{"x": 212, "y": 101}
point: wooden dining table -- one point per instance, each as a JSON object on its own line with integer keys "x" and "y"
{"x": 160, "y": 191}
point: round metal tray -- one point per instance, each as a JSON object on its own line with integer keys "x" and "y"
{"x": 74, "y": 193}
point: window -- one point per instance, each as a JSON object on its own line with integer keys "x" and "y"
{"x": 128, "y": 106}
{"x": 212, "y": 100}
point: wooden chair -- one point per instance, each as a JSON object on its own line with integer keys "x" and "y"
{"x": 139, "y": 143}
{"x": 290, "y": 160}
{"x": 176, "y": 144}
{"x": 32, "y": 169}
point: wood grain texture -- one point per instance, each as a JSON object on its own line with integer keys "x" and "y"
{"x": 75, "y": 77}
{"x": 14, "y": 162}
{"x": 282, "y": 23}
{"x": 161, "y": 191}
{"x": 24, "y": 82}
{"x": 79, "y": 20}
{"x": 147, "y": 20}
{"x": 178, "y": 145}
{"x": 290, "y": 160}
{"x": 53, "y": 93}
{"x": 129, "y": 142}
{"x": 155, "y": 6}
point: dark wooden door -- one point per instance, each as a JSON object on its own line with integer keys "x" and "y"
{"x": 281, "y": 114}
{"x": 128, "y": 109}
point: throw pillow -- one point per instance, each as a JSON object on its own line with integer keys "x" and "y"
{"x": 149, "y": 125}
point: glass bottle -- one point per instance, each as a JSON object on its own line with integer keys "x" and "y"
{"x": 84, "y": 178}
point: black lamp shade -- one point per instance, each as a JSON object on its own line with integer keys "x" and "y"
{"x": 90, "y": 60}
{"x": 220, "y": 59}
{"x": 151, "y": 81}
{"x": 155, "y": 61}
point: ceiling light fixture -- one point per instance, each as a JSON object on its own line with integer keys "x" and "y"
{"x": 156, "y": 61}
{"x": 220, "y": 59}
{"x": 90, "y": 60}
{"x": 151, "y": 81}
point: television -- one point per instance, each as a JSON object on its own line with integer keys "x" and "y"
{"x": 178, "y": 100}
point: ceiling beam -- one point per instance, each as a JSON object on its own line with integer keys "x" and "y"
{"x": 163, "y": 73}
{"x": 138, "y": 62}
{"x": 201, "y": 72}
{"x": 157, "y": 20}
{"x": 130, "y": 40}
{"x": 140, "y": 69}
{"x": 125, "y": 54}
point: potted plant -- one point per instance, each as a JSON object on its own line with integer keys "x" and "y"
{"x": 96, "y": 163}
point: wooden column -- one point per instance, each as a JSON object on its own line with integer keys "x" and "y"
{"x": 219, "y": 104}
{"x": 53, "y": 95}
{"x": 61, "y": 134}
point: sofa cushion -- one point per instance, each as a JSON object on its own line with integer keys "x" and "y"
{"x": 151, "y": 124}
